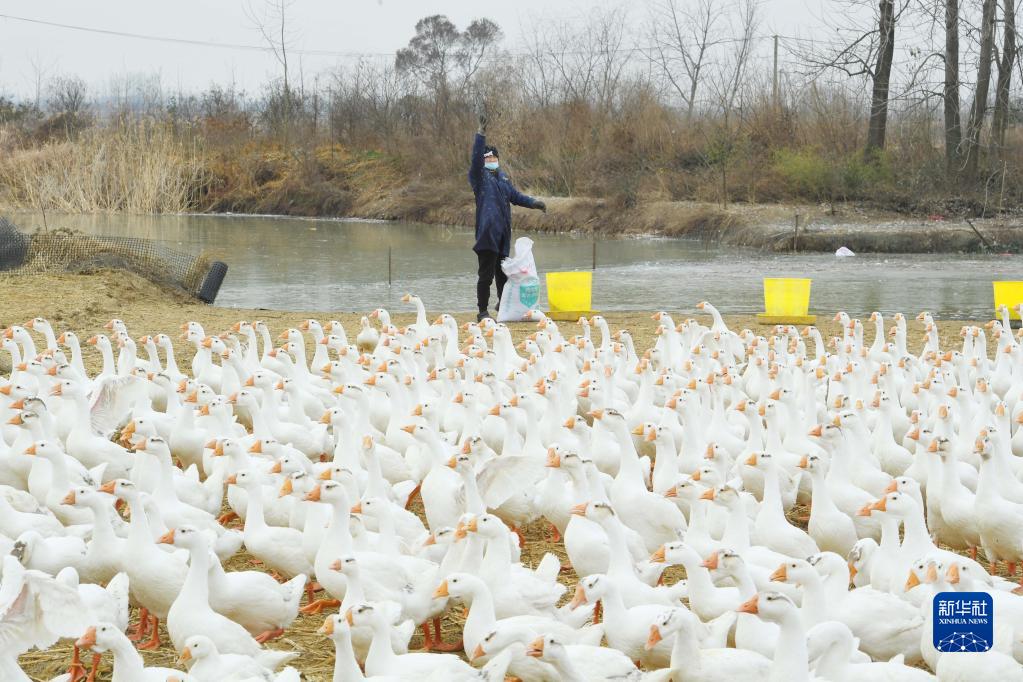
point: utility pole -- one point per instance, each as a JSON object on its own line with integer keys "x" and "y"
{"x": 774, "y": 83}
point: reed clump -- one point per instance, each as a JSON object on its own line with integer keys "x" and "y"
{"x": 142, "y": 167}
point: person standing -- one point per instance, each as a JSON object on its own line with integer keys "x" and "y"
{"x": 494, "y": 196}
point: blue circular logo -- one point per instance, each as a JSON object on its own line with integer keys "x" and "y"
{"x": 529, "y": 292}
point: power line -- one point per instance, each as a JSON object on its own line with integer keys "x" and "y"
{"x": 189, "y": 41}
{"x": 637, "y": 50}
{"x": 336, "y": 53}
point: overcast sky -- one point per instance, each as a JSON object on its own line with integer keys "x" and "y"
{"x": 357, "y": 26}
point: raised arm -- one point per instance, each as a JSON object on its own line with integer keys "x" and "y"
{"x": 476, "y": 162}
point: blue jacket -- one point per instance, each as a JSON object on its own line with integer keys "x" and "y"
{"x": 494, "y": 196}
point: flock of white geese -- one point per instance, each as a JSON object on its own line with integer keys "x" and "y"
{"x": 119, "y": 488}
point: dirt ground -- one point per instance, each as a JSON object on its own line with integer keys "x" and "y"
{"x": 86, "y": 302}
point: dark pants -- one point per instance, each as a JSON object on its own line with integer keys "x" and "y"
{"x": 490, "y": 268}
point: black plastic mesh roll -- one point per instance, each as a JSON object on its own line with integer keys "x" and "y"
{"x": 71, "y": 251}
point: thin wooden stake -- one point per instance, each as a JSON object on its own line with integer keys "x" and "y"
{"x": 594, "y": 266}
{"x": 795, "y": 236}
{"x": 388, "y": 266}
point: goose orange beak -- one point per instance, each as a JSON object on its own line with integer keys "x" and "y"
{"x": 328, "y": 626}
{"x": 535, "y": 649}
{"x": 108, "y": 487}
{"x": 911, "y": 582}
{"x": 750, "y": 606}
{"x": 314, "y": 494}
{"x": 478, "y": 652}
{"x": 780, "y": 574}
{"x": 88, "y": 640}
{"x": 658, "y": 556}
{"x": 953, "y": 574}
{"x": 579, "y": 509}
{"x": 711, "y": 562}
{"x": 167, "y": 538}
{"x": 553, "y": 460}
{"x": 70, "y": 498}
{"x": 653, "y": 639}
{"x": 442, "y": 590}
{"x": 578, "y": 599}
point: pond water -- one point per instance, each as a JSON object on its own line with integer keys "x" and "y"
{"x": 297, "y": 264}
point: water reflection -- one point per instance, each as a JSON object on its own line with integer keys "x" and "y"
{"x": 287, "y": 263}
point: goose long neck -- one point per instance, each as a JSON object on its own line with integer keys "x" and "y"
{"x": 497, "y": 557}
{"x": 346, "y": 667}
{"x": 102, "y": 530}
{"x": 613, "y": 603}
{"x": 790, "y": 661}
{"x": 736, "y": 533}
{"x": 128, "y": 663}
{"x": 59, "y": 479}
{"x": 254, "y": 510}
{"x": 772, "y": 488}
{"x": 619, "y": 563}
{"x": 138, "y": 528}
{"x": 197, "y": 586}
{"x": 76, "y": 356}
{"x": 172, "y": 363}
{"x": 915, "y": 533}
{"x": 381, "y": 656}
{"x": 815, "y": 602}
{"x": 628, "y": 471}
{"x": 473, "y": 502}
{"x": 340, "y": 529}
{"x": 685, "y": 651}
{"x": 744, "y": 581}
{"x": 482, "y": 615}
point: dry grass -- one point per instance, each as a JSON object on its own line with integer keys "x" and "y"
{"x": 85, "y": 302}
{"x": 140, "y": 168}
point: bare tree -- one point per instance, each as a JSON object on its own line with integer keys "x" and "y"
{"x": 272, "y": 23}
{"x": 1006, "y": 63}
{"x": 730, "y": 78}
{"x": 865, "y": 51}
{"x": 478, "y": 41}
{"x": 979, "y": 107}
{"x": 878, "y": 126}
{"x": 680, "y": 38}
{"x": 39, "y": 71}
{"x": 445, "y": 60}
{"x": 953, "y": 121}
{"x": 587, "y": 59}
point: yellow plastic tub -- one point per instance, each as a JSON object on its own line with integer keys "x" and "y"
{"x": 786, "y": 301}
{"x": 1009, "y": 294}
{"x": 569, "y": 294}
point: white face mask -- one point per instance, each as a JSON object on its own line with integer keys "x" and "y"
{"x": 491, "y": 165}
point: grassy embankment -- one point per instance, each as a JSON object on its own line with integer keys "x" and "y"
{"x": 635, "y": 171}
